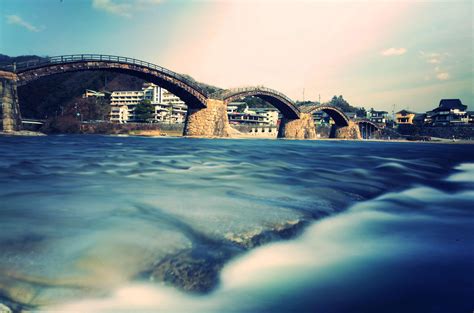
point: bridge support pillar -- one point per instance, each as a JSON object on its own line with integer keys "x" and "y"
{"x": 10, "y": 119}
{"x": 211, "y": 121}
{"x": 302, "y": 128}
{"x": 351, "y": 131}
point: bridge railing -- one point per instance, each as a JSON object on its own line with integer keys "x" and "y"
{"x": 73, "y": 58}
{"x": 229, "y": 92}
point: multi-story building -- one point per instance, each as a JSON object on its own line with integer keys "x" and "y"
{"x": 449, "y": 112}
{"x": 152, "y": 92}
{"x": 168, "y": 107}
{"x": 119, "y": 114}
{"x": 270, "y": 115}
{"x": 254, "y": 116}
{"x": 170, "y": 113}
{"x": 130, "y": 99}
{"x": 378, "y": 117}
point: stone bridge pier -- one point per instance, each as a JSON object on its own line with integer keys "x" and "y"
{"x": 10, "y": 119}
{"x": 302, "y": 128}
{"x": 211, "y": 121}
{"x": 351, "y": 131}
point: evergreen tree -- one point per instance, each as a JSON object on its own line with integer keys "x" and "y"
{"x": 144, "y": 111}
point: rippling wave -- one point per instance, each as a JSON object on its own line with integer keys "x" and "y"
{"x": 91, "y": 223}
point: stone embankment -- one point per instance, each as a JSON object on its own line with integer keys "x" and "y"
{"x": 22, "y": 133}
{"x": 448, "y": 132}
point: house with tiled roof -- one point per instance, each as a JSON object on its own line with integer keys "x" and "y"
{"x": 449, "y": 112}
{"x": 404, "y": 117}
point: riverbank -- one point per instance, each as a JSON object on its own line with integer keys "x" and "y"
{"x": 22, "y": 133}
{"x": 235, "y": 135}
{"x": 156, "y": 133}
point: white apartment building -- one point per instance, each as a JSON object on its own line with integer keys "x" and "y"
{"x": 129, "y": 99}
{"x": 252, "y": 116}
{"x": 168, "y": 107}
{"x": 119, "y": 114}
{"x": 270, "y": 115}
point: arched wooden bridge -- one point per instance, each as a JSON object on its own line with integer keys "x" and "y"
{"x": 206, "y": 112}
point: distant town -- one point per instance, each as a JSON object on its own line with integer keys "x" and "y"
{"x": 153, "y": 104}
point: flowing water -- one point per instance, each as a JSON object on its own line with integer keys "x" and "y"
{"x": 127, "y": 224}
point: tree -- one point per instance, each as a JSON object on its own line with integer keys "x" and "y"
{"x": 361, "y": 113}
{"x": 307, "y": 102}
{"x": 341, "y": 103}
{"x": 144, "y": 111}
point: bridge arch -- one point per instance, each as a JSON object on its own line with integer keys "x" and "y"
{"x": 190, "y": 92}
{"x": 284, "y": 104}
{"x": 339, "y": 117}
{"x": 368, "y": 128}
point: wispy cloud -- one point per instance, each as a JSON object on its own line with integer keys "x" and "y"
{"x": 431, "y": 57}
{"x": 17, "y": 20}
{"x": 442, "y": 76}
{"x": 437, "y": 60}
{"x": 393, "y": 52}
{"x": 122, "y": 8}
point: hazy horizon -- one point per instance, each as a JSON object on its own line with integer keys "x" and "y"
{"x": 376, "y": 54}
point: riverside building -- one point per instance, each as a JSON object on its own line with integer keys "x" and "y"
{"x": 449, "y": 112}
{"x": 168, "y": 107}
{"x": 405, "y": 117}
{"x": 377, "y": 117}
{"x": 252, "y": 116}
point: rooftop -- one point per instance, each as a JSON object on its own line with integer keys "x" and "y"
{"x": 405, "y": 112}
{"x": 450, "y": 104}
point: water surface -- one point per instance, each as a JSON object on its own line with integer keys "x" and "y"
{"x": 96, "y": 223}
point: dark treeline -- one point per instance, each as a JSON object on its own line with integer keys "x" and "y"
{"x": 341, "y": 103}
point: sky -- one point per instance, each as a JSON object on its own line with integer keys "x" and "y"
{"x": 388, "y": 55}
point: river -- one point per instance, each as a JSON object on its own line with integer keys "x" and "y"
{"x": 132, "y": 224}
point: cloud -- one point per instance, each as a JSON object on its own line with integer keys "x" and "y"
{"x": 393, "y": 51}
{"x": 17, "y": 20}
{"x": 437, "y": 60}
{"x": 122, "y": 7}
{"x": 431, "y": 57}
{"x": 442, "y": 76}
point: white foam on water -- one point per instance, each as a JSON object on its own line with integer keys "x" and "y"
{"x": 466, "y": 175}
{"x": 349, "y": 239}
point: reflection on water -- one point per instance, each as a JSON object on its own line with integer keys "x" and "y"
{"x": 102, "y": 224}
